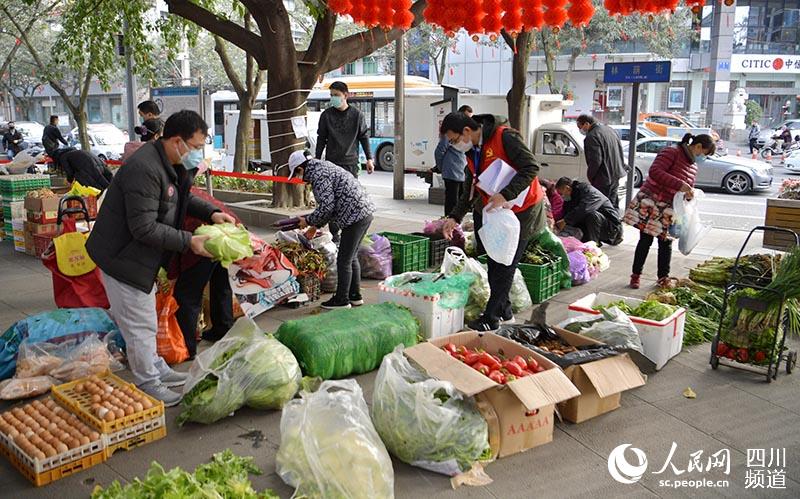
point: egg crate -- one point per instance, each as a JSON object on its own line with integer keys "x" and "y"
{"x": 135, "y": 436}
{"x": 43, "y": 471}
{"x": 81, "y": 405}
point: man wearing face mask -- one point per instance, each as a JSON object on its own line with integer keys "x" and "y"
{"x": 587, "y": 209}
{"x": 342, "y": 128}
{"x": 139, "y": 229}
{"x": 604, "y": 157}
{"x": 12, "y": 141}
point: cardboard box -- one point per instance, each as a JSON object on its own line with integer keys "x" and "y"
{"x": 39, "y": 229}
{"x": 600, "y": 382}
{"x": 661, "y": 340}
{"x": 42, "y": 210}
{"x": 520, "y": 413}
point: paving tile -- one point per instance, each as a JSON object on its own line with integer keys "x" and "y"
{"x": 77, "y": 486}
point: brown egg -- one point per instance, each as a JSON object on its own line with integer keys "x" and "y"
{"x": 146, "y": 403}
{"x": 128, "y": 410}
{"x": 50, "y": 403}
{"x": 84, "y": 440}
{"x": 96, "y": 398}
{"x": 119, "y": 413}
{"x": 95, "y": 407}
{"x": 50, "y": 451}
{"x": 93, "y": 435}
{"x": 110, "y": 416}
{"x": 28, "y": 409}
{"x": 73, "y": 443}
{"x": 80, "y": 387}
{"x": 28, "y": 433}
{"x": 13, "y": 432}
{"x": 5, "y": 427}
{"x": 137, "y": 406}
{"x": 61, "y": 447}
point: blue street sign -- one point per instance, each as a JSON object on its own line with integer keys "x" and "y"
{"x": 724, "y": 66}
{"x": 637, "y": 72}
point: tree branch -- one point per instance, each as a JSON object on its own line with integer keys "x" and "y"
{"x": 362, "y": 44}
{"x": 320, "y": 46}
{"x": 257, "y": 84}
{"x": 230, "y": 71}
{"x": 230, "y": 31}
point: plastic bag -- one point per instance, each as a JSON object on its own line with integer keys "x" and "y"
{"x": 470, "y": 244}
{"x": 375, "y": 257}
{"x": 170, "y": 344}
{"x": 426, "y": 422}
{"x": 456, "y": 262}
{"x": 264, "y": 280}
{"x": 519, "y": 295}
{"x": 67, "y": 360}
{"x": 329, "y": 447}
{"x": 453, "y": 290}
{"x": 434, "y": 229}
{"x": 532, "y": 335}
{"x": 352, "y": 341}
{"x": 613, "y": 327}
{"x": 500, "y": 235}
{"x": 83, "y": 191}
{"x": 690, "y": 229}
{"x": 245, "y": 367}
{"x": 579, "y": 268}
{"x": 550, "y": 242}
{"x": 20, "y": 388}
{"x": 571, "y": 244}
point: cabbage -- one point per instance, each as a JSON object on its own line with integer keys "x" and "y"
{"x": 329, "y": 447}
{"x": 228, "y": 243}
{"x": 245, "y": 367}
{"x": 426, "y": 422}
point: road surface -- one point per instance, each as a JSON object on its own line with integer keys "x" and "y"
{"x": 721, "y": 210}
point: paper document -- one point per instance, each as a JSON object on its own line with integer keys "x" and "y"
{"x": 299, "y": 127}
{"x": 497, "y": 177}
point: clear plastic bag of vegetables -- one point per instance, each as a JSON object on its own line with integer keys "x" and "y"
{"x": 519, "y": 295}
{"x": 425, "y": 422}
{"x": 455, "y": 262}
{"x": 329, "y": 448}
{"x": 246, "y": 367}
{"x": 613, "y": 327}
{"x": 227, "y": 242}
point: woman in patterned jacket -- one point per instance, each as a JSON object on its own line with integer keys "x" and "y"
{"x": 340, "y": 199}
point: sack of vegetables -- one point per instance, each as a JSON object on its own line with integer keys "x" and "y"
{"x": 350, "y": 341}
{"x": 425, "y": 422}
{"x": 329, "y": 447}
{"x": 246, "y": 367}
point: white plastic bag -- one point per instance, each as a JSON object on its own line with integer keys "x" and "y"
{"x": 500, "y": 235}
{"x": 456, "y": 261}
{"x": 690, "y": 229}
{"x": 329, "y": 447}
{"x": 612, "y": 327}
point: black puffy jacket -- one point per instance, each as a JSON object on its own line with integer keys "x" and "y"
{"x": 138, "y": 228}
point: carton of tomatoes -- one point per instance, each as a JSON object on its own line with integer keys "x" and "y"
{"x": 518, "y": 402}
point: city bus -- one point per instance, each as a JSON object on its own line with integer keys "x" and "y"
{"x": 373, "y": 95}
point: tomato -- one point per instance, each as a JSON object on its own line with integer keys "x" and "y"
{"x": 518, "y": 360}
{"x": 525, "y": 372}
{"x": 459, "y": 357}
{"x": 760, "y": 356}
{"x": 450, "y": 348}
{"x": 512, "y": 368}
{"x": 722, "y": 349}
{"x": 481, "y": 368}
{"x": 497, "y": 377}
{"x": 744, "y": 355}
{"x": 533, "y": 365}
{"x": 462, "y": 350}
{"x": 471, "y": 358}
{"x": 490, "y": 361}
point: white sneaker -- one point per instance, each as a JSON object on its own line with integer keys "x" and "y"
{"x": 510, "y": 320}
{"x": 157, "y": 390}
{"x": 174, "y": 378}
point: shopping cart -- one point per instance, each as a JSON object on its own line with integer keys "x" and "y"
{"x": 759, "y": 351}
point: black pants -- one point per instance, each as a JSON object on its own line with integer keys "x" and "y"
{"x": 189, "y": 295}
{"x": 753, "y": 145}
{"x": 610, "y": 191}
{"x": 347, "y": 266}
{"x": 643, "y": 248}
{"x": 596, "y": 227}
{"x": 452, "y": 191}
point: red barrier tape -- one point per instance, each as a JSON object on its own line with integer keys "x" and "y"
{"x": 255, "y": 176}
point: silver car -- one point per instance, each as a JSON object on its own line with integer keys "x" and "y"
{"x": 734, "y": 174}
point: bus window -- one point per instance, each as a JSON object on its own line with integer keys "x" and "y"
{"x": 384, "y": 119}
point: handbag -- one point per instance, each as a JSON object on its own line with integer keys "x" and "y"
{"x": 170, "y": 344}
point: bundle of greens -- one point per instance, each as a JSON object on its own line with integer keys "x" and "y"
{"x": 226, "y": 476}
{"x": 227, "y": 242}
{"x": 620, "y": 304}
{"x": 307, "y": 261}
{"x": 426, "y": 422}
{"x": 245, "y": 367}
{"x": 703, "y": 309}
{"x": 653, "y": 310}
{"x": 535, "y": 254}
{"x": 753, "y": 269}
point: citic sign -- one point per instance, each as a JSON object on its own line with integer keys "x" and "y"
{"x": 765, "y": 63}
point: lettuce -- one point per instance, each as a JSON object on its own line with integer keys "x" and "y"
{"x": 228, "y": 243}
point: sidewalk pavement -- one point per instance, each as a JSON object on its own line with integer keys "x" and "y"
{"x": 733, "y": 410}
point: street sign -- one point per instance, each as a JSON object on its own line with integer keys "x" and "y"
{"x": 637, "y": 72}
{"x": 174, "y": 99}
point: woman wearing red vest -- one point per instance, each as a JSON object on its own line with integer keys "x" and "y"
{"x": 484, "y": 139}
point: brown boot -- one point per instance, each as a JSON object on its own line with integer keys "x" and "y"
{"x": 635, "y": 281}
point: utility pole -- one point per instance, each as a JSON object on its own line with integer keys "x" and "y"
{"x": 719, "y": 80}
{"x": 399, "y": 118}
{"x": 130, "y": 82}
{"x": 186, "y": 71}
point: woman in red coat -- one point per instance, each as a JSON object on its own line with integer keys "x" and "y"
{"x": 673, "y": 170}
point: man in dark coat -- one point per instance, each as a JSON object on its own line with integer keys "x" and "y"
{"x": 604, "y": 157}
{"x": 12, "y": 141}
{"x": 139, "y": 230}
{"x": 83, "y": 167}
{"x": 588, "y": 209}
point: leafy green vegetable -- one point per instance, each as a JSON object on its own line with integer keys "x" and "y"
{"x": 225, "y": 477}
{"x": 653, "y": 310}
{"x": 228, "y": 243}
{"x": 620, "y": 304}
{"x": 426, "y": 422}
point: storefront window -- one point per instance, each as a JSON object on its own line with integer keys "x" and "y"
{"x": 767, "y": 27}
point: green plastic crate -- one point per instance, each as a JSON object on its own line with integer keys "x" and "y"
{"x": 409, "y": 253}
{"x": 16, "y": 185}
{"x": 542, "y": 281}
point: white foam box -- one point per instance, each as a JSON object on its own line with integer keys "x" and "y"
{"x": 661, "y": 340}
{"x": 434, "y": 320}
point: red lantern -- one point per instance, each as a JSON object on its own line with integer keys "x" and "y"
{"x": 340, "y": 7}
{"x": 371, "y": 14}
{"x": 403, "y": 18}
{"x": 385, "y": 16}
{"x": 492, "y": 24}
{"x": 357, "y": 10}
{"x": 626, "y": 7}
{"x": 475, "y": 15}
{"x": 612, "y": 6}
{"x": 512, "y": 19}
{"x": 580, "y": 12}
{"x": 532, "y": 16}
{"x": 555, "y": 16}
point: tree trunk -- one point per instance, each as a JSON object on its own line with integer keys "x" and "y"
{"x": 550, "y": 60}
{"x": 244, "y": 129}
{"x": 517, "y": 103}
{"x": 570, "y": 68}
{"x": 441, "y": 66}
{"x": 82, "y": 121}
{"x": 282, "y": 141}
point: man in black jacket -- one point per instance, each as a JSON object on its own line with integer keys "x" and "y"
{"x": 138, "y": 230}
{"x": 604, "y": 157}
{"x": 341, "y": 129}
{"x": 83, "y": 167}
{"x": 12, "y": 141}
{"x": 588, "y": 209}
{"x": 51, "y": 136}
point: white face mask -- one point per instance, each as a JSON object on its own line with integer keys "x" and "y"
{"x": 462, "y": 146}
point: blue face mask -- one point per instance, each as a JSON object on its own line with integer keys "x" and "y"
{"x": 700, "y": 158}
{"x": 566, "y": 198}
{"x": 336, "y": 101}
{"x": 192, "y": 159}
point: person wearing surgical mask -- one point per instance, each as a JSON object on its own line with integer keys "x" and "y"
{"x": 139, "y": 229}
{"x": 651, "y": 211}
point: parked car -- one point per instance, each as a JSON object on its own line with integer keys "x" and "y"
{"x": 793, "y": 162}
{"x": 624, "y": 132}
{"x": 765, "y": 137}
{"x": 734, "y": 174}
{"x": 106, "y": 140}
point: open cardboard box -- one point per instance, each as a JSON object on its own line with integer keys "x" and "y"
{"x": 601, "y": 382}
{"x": 520, "y": 413}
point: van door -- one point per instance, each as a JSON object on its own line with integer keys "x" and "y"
{"x": 558, "y": 155}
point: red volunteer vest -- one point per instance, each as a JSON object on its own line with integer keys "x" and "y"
{"x": 493, "y": 150}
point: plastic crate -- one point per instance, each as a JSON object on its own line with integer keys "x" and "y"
{"x": 543, "y": 281}
{"x": 437, "y": 247}
{"x": 43, "y": 471}
{"x": 409, "y": 252}
{"x": 13, "y": 210}
{"x": 434, "y": 321}
{"x": 135, "y": 436}
{"x": 80, "y": 404}
{"x": 310, "y": 285}
{"x": 14, "y": 185}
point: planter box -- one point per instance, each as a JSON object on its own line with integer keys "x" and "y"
{"x": 783, "y": 213}
{"x": 238, "y": 196}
